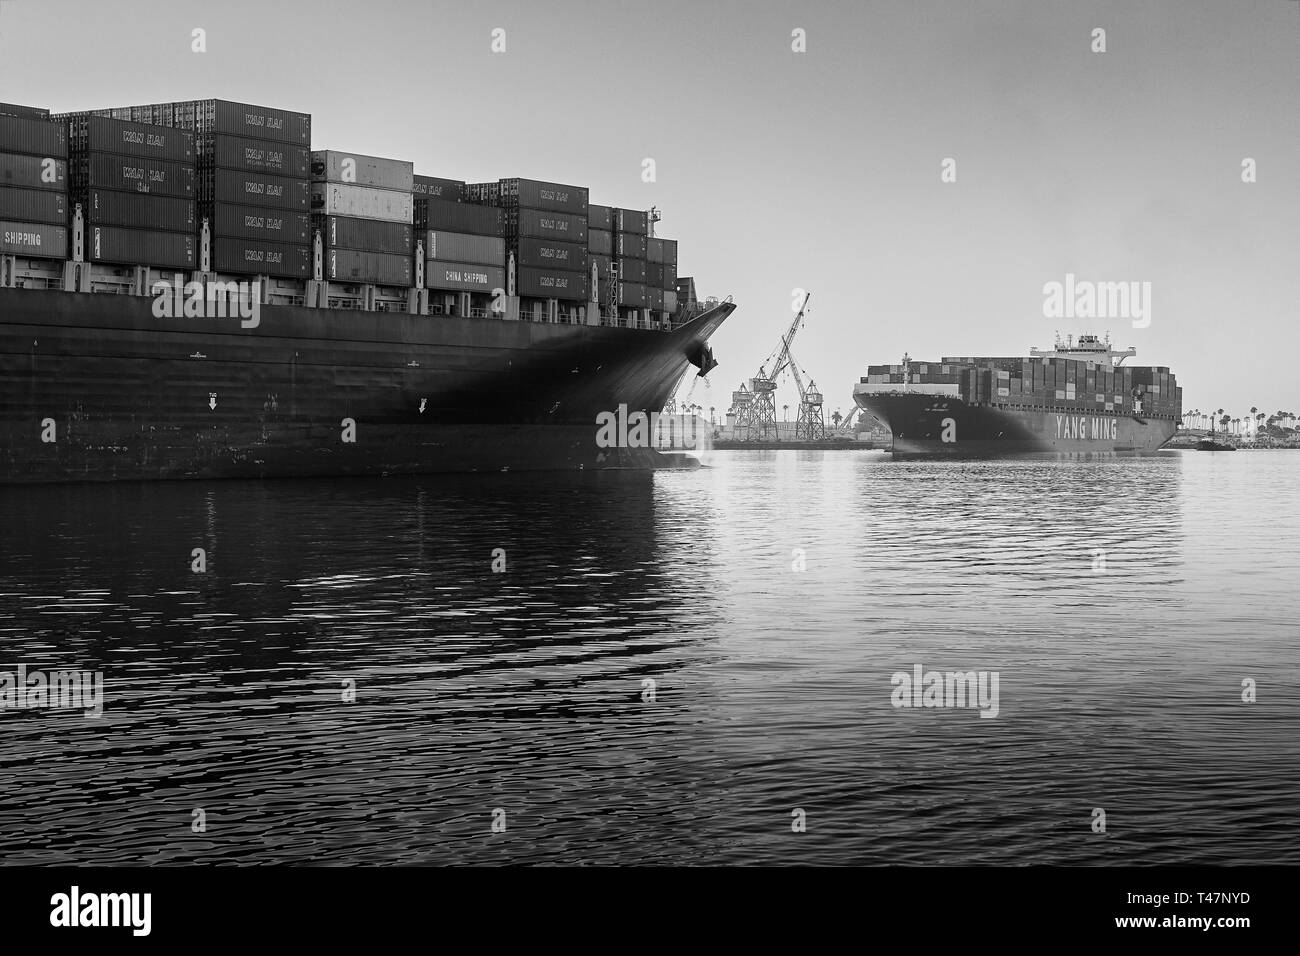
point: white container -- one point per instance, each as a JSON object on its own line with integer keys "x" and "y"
{"x": 361, "y": 202}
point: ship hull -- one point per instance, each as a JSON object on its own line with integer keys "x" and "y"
{"x": 94, "y": 387}
{"x": 943, "y": 426}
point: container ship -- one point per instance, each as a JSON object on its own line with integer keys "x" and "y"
{"x": 191, "y": 290}
{"x": 1077, "y": 400}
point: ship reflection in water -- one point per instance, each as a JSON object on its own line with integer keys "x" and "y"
{"x": 667, "y": 669}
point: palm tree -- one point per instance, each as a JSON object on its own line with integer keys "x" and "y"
{"x": 836, "y": 418}
{"x": 785, "y": 411}
{"x": 1223, "y": 419}
{"x": 712, "y": 409}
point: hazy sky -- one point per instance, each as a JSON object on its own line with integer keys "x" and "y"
{"x": 818, "y": 170}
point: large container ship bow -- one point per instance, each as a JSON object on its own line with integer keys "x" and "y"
{"x": 1077, "y": 400}
{"x": 188, "y": 290}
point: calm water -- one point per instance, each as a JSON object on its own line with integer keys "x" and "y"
{"x": 1120, "y": 671}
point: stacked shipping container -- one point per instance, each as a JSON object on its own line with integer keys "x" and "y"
{"x": 33, "y": 184}
{"x": 135, "y": 184}
{"x": 546, "y": 230}
{"x": 362, "y": 207}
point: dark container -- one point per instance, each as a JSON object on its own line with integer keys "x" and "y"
{"x": 257, "y": 223}
{"x": 552, "y": 284}
{"x": 654, "y": 275}
{"x": 602, "y": 264}
{"x": 106, "y": 207}
{"x": 350, "y": 265}
{"x": 144, "y": 177}
{"x": 464, "y": 248}
{"x": 463, "y": 217}
{"x": 632, "y": 270}
{"x": 33, "y": 205}
{"x": 140, "y": 247}
{"x": 39, "y": 240}
{"x": 463, "y": 277}
{"x": 654, "y": 250}
{"x": 627, "y": 245}
{"x": 632, "y": 294}
{"x": 553, "y": 197}
{"x": 600, "y": 217}
{"x": 365, "y": 235}
{"x": 546, "y": 225}
{"x": 254, "y": 189}
{"x": 33, "y": 172}
{"x": 33, "y": 137}
{"x": 654, "y": 299}
{"x": 432, "y": 187}
{"x": 670, "y": 277}
{"x": 255, "y": 156}
{"x": 600, "y": 241}
{"x": 632, "y": 221}
{"x": 240, "y": 119}
{"x": 547, "y": 254}
{"x": 251, "y": 257}
{"x": 88, "y": 133}
{"x": 24, "y": 112}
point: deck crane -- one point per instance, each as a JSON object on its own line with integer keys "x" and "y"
{"x": 759, "y": 421}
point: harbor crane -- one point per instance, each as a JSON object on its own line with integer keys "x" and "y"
{"x": 756, "y": 418}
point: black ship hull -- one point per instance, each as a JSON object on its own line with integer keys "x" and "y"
{"x": 945, "y": 426}
{"x": 94, "y": 387}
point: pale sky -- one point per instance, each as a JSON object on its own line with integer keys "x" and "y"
{"x": 816, "y": 170}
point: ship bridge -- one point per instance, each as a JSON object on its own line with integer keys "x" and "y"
{"x": 1089, "y": 348}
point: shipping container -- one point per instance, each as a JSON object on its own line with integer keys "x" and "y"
{"x": 629, "y": 246}
{"x": 254, "y": 156}
{"x": 600, "y": 241}
{"x": 334, "y": 166}
{"x": 24, "y": 112}
{"x": 33, "y": 205}
{"x": 236, "y": 221}
{"x": 251, "y": 257}
{"x": 600, "y": 217}
{"x": 632, "y": 221}
{"x": 105, "y": 207}
{"x": 351, "y": 265}
{"x": 37, "y": 239}
{"x": 654, "y": 275}
{"x": 239, "y": 119}
{"x": 555, "y": 197}
{"x": 140, "y": 247}
{"x": 254, "y": 189}
{"x": 548, "y": 254}
{"x": 632, "y": 270}
{"x": 670, "y": 276}
{"x": 465, "y": 248}
{"x": 546, "y": 225}
{"x": 670, "y": 253}
{"x": 654, "y": 299}
{"x": 88, "y": 133}
{"x": 670, "y": 301}
{"x": 463, "y": 277}
{"x": 361, "y": 202}
{"x": 602, "y": 264}
{"x": 365, "y": 235}
{"x": 632, "y": 294}
{"x": 152, "y": 177}
{"x": 451, "y": 190}
{"x": 654, "y": 250}
{"x": 33, "y": 172}
{"x": 552, "y": 284}
{"x": 33, "y": 137}
{"x": 464, "y": 217}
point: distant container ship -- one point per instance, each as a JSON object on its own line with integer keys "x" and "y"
{"x": 1076, "y": 401}
{"x": 190, "y": 290}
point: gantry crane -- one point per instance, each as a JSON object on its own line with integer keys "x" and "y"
{"x": 756, "y": 419}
